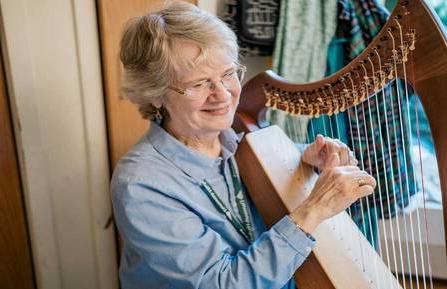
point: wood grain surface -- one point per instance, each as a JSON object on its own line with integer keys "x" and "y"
{"x": 16, "y": 269}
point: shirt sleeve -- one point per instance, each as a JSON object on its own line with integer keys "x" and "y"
{"x": 174, "y": 246}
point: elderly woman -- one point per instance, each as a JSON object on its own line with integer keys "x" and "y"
{"x": 174, "y": 192}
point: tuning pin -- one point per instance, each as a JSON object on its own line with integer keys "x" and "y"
{"x": 336, "y": 110}
{"x": 330, "y": 108}
{"x": 362, "y": 94}
{"x": 274, "y": 105}
{"x": 317, "y": 112}
{"x": 395, "y": 54}
{"x": 311, "y": 109}
{"x": 343, "y": 104}
{"x": 405, "y": 57}
{"x": 356, "y": 96}
{"x": 390, "y": 75}
{"x": 404, "y": 49}
{"x": 292, "y": 109}
{"x": 413, "y": 39}
{"x": 366, "y": 79}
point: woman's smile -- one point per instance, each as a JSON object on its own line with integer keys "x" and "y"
{"x": 218, "y": 110}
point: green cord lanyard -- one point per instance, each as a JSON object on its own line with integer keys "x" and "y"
{"x": 244, "y": 226}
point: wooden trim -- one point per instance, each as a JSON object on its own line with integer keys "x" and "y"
{"x": 16, "y": 270}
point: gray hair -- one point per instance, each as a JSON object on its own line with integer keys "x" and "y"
{"x": 149, "y": 55}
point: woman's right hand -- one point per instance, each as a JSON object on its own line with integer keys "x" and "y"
{"x": 335, "y": 190}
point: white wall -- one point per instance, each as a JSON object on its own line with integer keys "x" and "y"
{"x": 53, "y": 69}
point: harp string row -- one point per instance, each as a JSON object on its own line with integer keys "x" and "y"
{"x": 388, "y": 202}
{"x": 411, "y": 36}
{"x": 395, "y": 60}
{"x": 430, "y": 275}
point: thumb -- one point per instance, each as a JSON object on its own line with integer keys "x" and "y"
{"x": 319, "y": 142}
{"x": 333, "y": 160}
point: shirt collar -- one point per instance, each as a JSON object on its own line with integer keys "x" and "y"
{"x": 190, "y": 161}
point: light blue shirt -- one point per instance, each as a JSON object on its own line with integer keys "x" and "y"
{"x": 173, "y": 235}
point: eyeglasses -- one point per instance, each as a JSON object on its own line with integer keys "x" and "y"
{"x": 203, "y": 88}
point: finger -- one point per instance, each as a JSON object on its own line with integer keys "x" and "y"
{"x": 339, "y": 142}
{"x": 332, "y": 146}
{"x": 364, "y": 179}
{"x": 344, "y": 152}
{"x": 344, "y": 155}
{"x": 332, "y": 161}
{"x": 352, "y": 159}
{"x": 319, "y": 142}
{"x": 365, "y": 190}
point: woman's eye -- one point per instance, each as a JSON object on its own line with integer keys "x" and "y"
{"x": 199, "y": 84}
{"x": 228, "y": 74}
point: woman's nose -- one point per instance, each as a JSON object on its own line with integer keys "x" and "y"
{"x": 219, "y": 91}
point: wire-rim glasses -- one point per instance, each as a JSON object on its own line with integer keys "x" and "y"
{"x": 204, "y": 87}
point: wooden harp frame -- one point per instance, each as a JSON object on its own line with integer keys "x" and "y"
{"x": 426, "y": 70}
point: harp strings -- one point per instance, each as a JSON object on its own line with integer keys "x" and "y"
{"x": 405, "y": 47}
{"x": 376, "y": 162}
{"x": 376, "y": 85}
{"x": 395, "y": 58}
{"x": 379, "y": 139}
{"x": 412, "y": 47}
{"x": 358, "y": 157}
{"x": 403, "y": 60}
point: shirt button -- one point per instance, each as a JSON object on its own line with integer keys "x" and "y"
{"x": 308, "y": 249}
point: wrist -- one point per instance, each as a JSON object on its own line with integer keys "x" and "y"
{"x": 305, "y": 220}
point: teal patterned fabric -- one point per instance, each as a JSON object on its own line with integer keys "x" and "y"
{"x": 303, "y": 35}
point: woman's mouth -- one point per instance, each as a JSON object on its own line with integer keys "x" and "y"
{"x": 218, "y": 111}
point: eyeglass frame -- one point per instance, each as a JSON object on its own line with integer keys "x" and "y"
{"x": 239, "y": 68}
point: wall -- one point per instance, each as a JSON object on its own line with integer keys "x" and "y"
{"x": 52, "y": 59}
{"x": 254, "y": 64}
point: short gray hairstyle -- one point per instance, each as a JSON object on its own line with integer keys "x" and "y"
{"x": 148, "y": 51}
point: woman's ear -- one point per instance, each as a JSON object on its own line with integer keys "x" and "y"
{"x": 158, "y": 103}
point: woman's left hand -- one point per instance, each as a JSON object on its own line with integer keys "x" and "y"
{"x": 325, "y": 153}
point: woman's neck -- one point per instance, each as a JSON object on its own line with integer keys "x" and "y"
{"x": 207, "y": 144}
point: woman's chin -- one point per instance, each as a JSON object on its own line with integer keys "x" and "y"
{"x": 219, "y": 124}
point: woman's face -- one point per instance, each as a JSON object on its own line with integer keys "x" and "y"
{"x": 208, "y": 113}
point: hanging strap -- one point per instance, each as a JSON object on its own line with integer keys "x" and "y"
{"x": 244, "y": 226}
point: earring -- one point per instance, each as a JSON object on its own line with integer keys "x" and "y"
{"x": 158, "y": 116}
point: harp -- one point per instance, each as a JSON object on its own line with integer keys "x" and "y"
{"x": 411, "y": 47}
